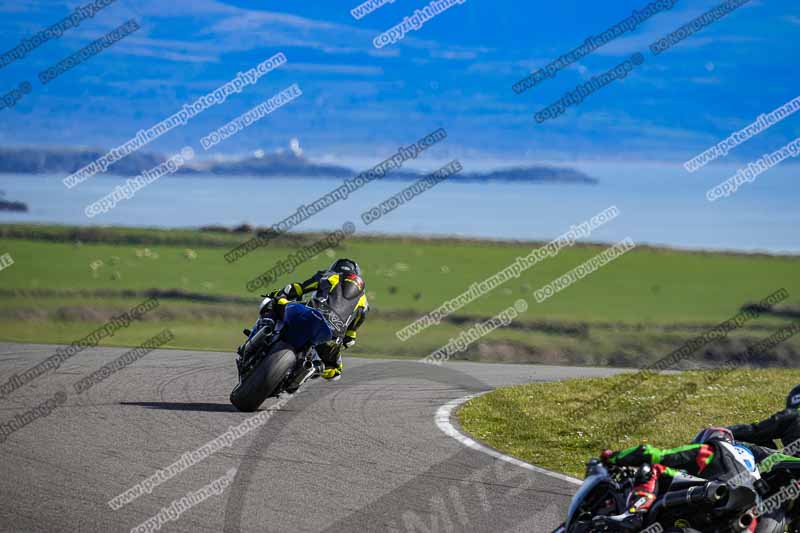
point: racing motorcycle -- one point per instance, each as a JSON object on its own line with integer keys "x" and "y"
{"x": 687, "y": 502}
{"x": 779, "y": 477}
{"x": 268, "y": 365}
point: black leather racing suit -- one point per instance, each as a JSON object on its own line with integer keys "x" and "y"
{"x": 716, "y": 461}
{"x": 783, "y": 425}
{"x": 342, "y": 300}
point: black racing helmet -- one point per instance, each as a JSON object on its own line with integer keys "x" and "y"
{"x": 345, "y": 266}
{"x": 793, "y": 400}
{"x": 713, "y": 434}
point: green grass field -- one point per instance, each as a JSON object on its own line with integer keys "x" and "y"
{"x": 634, "y": 310}
{"x": 528, "y": 421}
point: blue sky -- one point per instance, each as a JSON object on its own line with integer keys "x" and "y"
{"x": 360, "y": 103}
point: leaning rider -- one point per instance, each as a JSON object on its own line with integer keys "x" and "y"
{"x": 338, "y": 303}
{"x": 783, "y": 425}
{"x": 713, "y": 455}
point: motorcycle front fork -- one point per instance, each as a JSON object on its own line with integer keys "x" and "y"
{"x": 262, "y": 328}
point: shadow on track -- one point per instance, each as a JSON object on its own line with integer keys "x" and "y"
{"x": 185, "y": 406}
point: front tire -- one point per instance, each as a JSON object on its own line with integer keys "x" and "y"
{"x": 264, "y": 381}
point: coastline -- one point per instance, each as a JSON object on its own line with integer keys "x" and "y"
{"x": 233, "y": 235}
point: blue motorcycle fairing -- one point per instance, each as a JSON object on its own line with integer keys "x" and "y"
{"x": 304, "y": 326}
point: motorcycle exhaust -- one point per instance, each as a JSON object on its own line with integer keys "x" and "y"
{"x": 708, "y": 493}
{"x": 746, "y": 520}
{"x": 713, "y": 494}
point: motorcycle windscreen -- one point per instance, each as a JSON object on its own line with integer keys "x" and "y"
{"x": 304, "y": 326}
{"x": 597, "y": 483}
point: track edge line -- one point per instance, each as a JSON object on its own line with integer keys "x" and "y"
{"x": 442, "y": 419}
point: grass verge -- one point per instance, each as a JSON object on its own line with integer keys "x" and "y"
{"x": 529, "y": 421}
{"x": 67, "y": 280}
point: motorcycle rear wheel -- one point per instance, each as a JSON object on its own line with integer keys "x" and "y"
{"x": 264, "y": 381}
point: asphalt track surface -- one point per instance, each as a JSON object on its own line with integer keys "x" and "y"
{"x": 360, "y": 454}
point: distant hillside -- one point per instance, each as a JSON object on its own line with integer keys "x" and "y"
{"x": 13, "y": 206}
{"x": 533, "y": 174}
{"x": 6, "y": 205}
{"x": 66, "y": 161}
{"x": 279, "y": 164}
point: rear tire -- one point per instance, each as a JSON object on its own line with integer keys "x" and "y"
{"x": 264, "y": 381}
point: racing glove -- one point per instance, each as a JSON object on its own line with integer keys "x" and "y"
{"x": 333, "y": 373}
{"x": 605, "y": 457}
{"x": 349, "y": 337}
{"x": 275, "y": 295}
